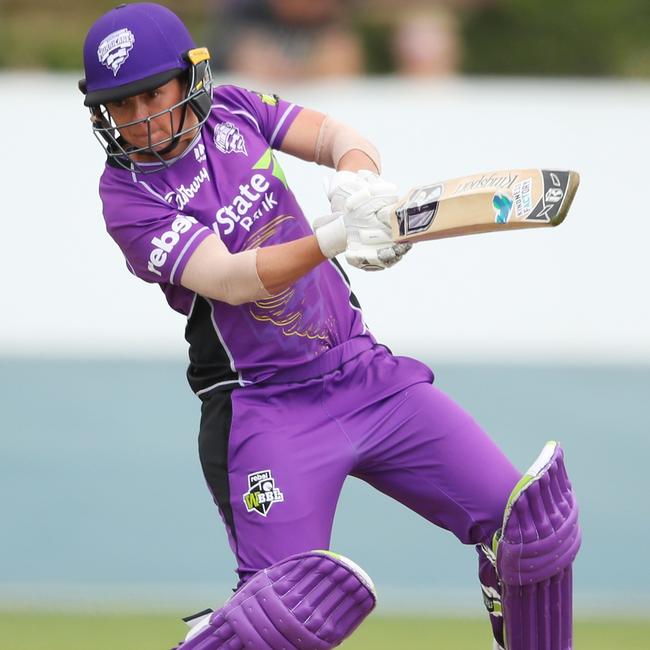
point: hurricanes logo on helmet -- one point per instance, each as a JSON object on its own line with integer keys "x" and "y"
{"x": 228, "y": 139}
{"x": 114, "y": 50}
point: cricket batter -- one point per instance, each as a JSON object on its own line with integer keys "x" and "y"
{"x": 296, "y": 393}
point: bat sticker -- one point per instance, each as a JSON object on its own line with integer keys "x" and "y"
{"x": 419, "y": 211}
{"x": 502, "y": 205}
{"x": 555, "y": 185}
{"x": 523, "y": 197}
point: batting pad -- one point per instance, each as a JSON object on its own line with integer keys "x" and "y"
{"x": 539, "y": 540}
{"x": 310, "y": 601}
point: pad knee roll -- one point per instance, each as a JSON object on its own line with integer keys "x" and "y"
{"x": 535, "y": 548}
{"x": 310, "y": 601}
{"x": 540, "y": 535}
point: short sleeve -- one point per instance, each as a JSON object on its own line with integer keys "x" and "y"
{"x": 272, "y": 115}
{"x": 156, "y": 240}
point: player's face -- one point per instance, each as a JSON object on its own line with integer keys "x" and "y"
{"x": 138, "y": 108}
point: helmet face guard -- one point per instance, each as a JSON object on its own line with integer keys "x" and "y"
{"x": 198, "y": 98}
{"x": 133, "y": 49}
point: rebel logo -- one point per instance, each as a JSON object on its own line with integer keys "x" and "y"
{"x": 262, "y": 493}
{"x": 164, "y": 243}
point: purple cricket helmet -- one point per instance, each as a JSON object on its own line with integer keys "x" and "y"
{"x": 132, "y": 49}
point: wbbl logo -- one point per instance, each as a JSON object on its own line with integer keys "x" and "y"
{"x": 114, "y": 50}
{"x": 262, "y": 493}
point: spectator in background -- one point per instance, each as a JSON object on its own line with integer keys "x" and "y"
{"x": 426, "y": 42}
{"x": 285, "y": 39}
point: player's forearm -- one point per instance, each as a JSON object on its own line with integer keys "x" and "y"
{"x": 280, "y": 265}
{"x": 355, "y": 160}
{"x": 237, "y": 278}
{"x": 319, "y": 138}
{"x": 213, "y": 272}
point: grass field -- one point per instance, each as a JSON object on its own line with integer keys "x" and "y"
{"x": 26, "y": 631}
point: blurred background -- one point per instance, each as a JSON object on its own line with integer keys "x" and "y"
{"x": 542, "y": 335}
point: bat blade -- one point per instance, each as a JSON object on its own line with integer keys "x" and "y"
{"x": 494, "y": 201}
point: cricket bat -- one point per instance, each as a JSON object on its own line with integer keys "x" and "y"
{"x": 501, "y": 200}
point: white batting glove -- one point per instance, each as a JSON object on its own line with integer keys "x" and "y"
{"x": 331, "y": 234}
{"x": 377, "y": 257}
{"x": 360, "y": 224}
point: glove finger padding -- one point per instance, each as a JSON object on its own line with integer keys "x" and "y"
{"x": 342, "y": 185}
{"x": 365, "y": 259}
{"x": 393, "y": 254}
{"x": 402, "y": 249}
{"x": 383, "y": 194}
{"x": 375, "y": 258}
{"x": 365, "y": 209}
{"x": 360, "y": 194}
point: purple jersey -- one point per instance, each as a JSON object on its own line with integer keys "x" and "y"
{"x": 229, "y": 182}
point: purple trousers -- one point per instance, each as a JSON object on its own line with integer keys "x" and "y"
{"x": 275, "y": 455}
